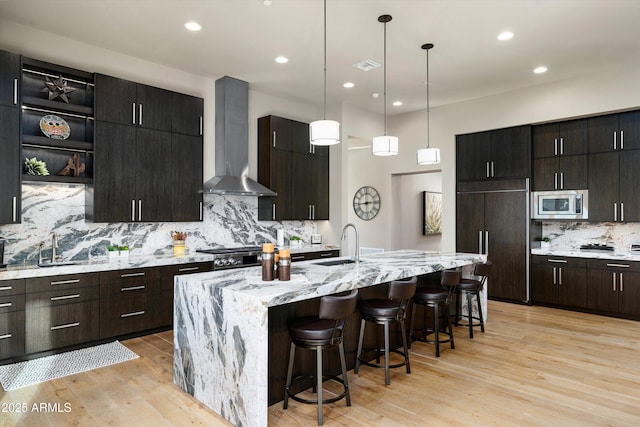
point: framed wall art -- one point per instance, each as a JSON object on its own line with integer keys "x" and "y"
{"x": 432, "y": 213}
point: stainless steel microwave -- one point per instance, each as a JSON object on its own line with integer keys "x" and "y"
{"x": 563, "y": 204}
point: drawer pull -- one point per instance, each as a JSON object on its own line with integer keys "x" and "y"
{"x": 6, "y": 304}
{"x": 65, "y": 282}
{"x": 327, "y": 254}
{"x": 562, "y": 261}
{"x": 68, "y": 325}
{"x": 619, "y": 265}
{"x": 135, "y": 313}
{"x": 132, "y": 288}
{"x": 189, "y": 269}
{"x": 65, "y": 297}
{"x": 6, "y": 288}
{"x": 3, "y": 337}
{"x": 296, "y": 258}
{"x": 132, "y": 275}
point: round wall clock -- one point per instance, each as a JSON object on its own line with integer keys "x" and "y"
{"x": 366, "y": 203}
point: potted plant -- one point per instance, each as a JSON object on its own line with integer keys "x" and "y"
{"x": 295, "y": 241}
{"x": 117, "y": 251}
{"x": 545, "y": 242}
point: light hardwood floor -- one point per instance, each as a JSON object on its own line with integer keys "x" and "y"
{"x": 534, "y": 366}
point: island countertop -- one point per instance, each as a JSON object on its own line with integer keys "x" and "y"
{"x": 221, "y": 322}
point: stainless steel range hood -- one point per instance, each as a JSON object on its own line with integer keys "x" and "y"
{"x": 232, "y": 142}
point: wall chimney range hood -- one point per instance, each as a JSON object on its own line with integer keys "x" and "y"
{"x": 232, "y": 142}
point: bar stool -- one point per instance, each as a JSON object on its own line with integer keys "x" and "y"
{"x": 317, "y": 333}
{"x": 382, "y": 312}
{"x": 472, "y": 287}
{"x": 436, "y": 298}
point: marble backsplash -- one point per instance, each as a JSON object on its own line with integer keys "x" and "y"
{"x": 570, "y": 235}
{"x": 228, "y": 221}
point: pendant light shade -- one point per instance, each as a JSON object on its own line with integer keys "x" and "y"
{"x": 324, "y": 132}
{"x": 428, "y": 156}
{"x": 385, "y": 145}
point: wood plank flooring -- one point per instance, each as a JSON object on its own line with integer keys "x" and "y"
{"x": 534, "y": 366}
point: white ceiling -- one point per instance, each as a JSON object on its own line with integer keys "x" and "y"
{"x": 241, "y": 38}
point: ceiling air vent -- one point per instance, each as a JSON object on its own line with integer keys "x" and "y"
{"x": 366, "y": 65}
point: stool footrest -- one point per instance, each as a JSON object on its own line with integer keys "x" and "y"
{"x": 315, "y": 401}
{"x": 381, "y": 365}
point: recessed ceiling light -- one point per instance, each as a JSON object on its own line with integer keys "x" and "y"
{"x": 375, "y": 95}
{"x": 193, "y": 26}
{"x": 397, "y": 103}
{"x": 348, "y": 85}
{"x": 505, "y": 35}
{"x": 267, "y": 2}
{"x": 282, "y": 59}
{"x": 540, "y": 70}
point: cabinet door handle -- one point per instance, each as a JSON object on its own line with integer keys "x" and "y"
{"x": 555, "y": 146}
{"x": 310, "y": 215}
{"x": 560, "y": 276}
{"x": 200, "y": 211}
{"x": 140, "y": 114}
{"x": 15, "y": 91}
{"x": 273, "y": 138}
{"x": 132, "y": 288}
{"x": 622, "y": 140}
{"x": 131, "y": 275}
{"x": 5, "y": 336}
{"x": 201, "y": 125}
{"x": 492, "y": 170}
{"x": 615, "y": 211}
{"x": 273, "y": 211}
{"x": 65, "y": 297}
{"x": 480, "y": 248}
{"x": 622, "y": 211}
{"x": 6, "y": 304}
{"x": 554, "y": 276}
{"x": 133, "y": 209}
{"x": 68, "y": 325}
{"x": 487, "y": 169}
{"x": 563, "y": 261}
{"x": 619, "y": 265}
{"x": 65, "y": 282}
{"x": 139, "y": 209}
{"x": 615, "y": 141}
{"x": 15, "y": 209}
{"x": 6, "y": 288}
{"x": 188, "y": 269}
{"x": 561, "y": 180}
{"x": 555, "y": 180}
{"x": 486, "y": 242}
{"x": 133, "y": 113}
{"x": 614, "y": 275}
{"x": 135, "y": 313}
{"x": 621, "y": 282}
{"x": 561, "y": 146}
{"x": 314, "y": 211}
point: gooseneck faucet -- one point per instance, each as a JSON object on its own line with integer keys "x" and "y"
{"x": 344, "y": 234}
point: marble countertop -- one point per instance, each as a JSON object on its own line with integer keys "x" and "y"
{"x": 105, "y": 264}
{"x": 577, "y": 253}
{"x": 311, "y": 279}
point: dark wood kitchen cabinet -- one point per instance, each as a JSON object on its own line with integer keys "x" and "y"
{"x": 130, "y": 301}
{"x": 490, "y": 219}
{"x": 496, "y": 154}
{"x": 167, "y": 275}
{"x": 61, "y": 311}
{"x": 298, "y": 171}
{"x": 613, "y": 287}
{"x": 614, "y": 132}
{"x": 560, "y": 173}
{"x": 10, "y": 165}
{"x": 566, "y": 138}
{"x": 614, "y": 183}
{"x": 559, "y": 281}
{"x": 12, "y": 305}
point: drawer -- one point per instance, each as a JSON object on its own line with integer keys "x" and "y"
{"x": 614, "y": 265}
{"x": 141, "y": 286}
{"x": 129, "y": 314}
{"x": 11, "y": 303}
{"x": 12, "y": 287}
{"x": 132, "y": 275}
{"x": 11, "y": 334}
{"x": 64, "y": 281}
{"x": 62, "y": 297}
{"x": 48, "y": 328}
{"x": 559, "y": 260}
{"x": 305, "y": 256}
{"x": 167, "y": 273}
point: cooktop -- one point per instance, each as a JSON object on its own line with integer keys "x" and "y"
{"x": 596, "y": 247}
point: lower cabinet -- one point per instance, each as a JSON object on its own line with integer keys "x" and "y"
{"x": 12, "y": 305}
{"x": 167, "y": 274}
{"x": 60, "y": 311}
{"x": 305, "y": 256}
{"x": 129, "y": 301}
{"x": 559, "y": 281}
{"x": 614, "y": 287}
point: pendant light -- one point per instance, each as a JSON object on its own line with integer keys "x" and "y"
{"x": 428, "y": 156}
{"x": 324, "y": 132}
{"x": 385, "y": 145}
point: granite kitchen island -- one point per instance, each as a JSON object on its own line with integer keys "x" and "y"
{"x": 222, "y": 329}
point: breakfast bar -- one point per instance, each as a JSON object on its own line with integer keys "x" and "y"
{"x": 222, "y": 327}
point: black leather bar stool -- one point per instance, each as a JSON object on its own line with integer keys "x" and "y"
{"x": 317, "y": 333}
{"x": 471, "y": 287}
{"x": 438, "y": 299}
{"x": 382, "y": 312}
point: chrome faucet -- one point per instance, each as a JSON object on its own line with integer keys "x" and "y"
{"x": 54, "y": 246}
{"x": 40, "y": 246}
{"x": 344, "y": 234}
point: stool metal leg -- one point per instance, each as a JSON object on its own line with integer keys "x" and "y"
{"x": 319, "y": 383}
{"x": 404, "y": 343}
{"x": 480, "y": 312}
{"x": 448, "y": 320}
{"x": 360, "y": 341}
{"x": 414, "y": 306}
{"x": 292, "y": 354}
{"x": 470, "y": 315}
{"x": 387, "y": 379}
{"x": 344, "y": 373}
{"x": 436, "y": 326}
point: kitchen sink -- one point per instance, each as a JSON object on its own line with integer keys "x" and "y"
{"x": 336, "y": 262}
{"x": 57, "y": 264}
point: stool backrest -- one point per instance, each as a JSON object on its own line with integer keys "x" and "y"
{"x": 402, "y": 291}
{"x": 450, "y": 280}
{"x": 482, "y": 270}
{"x": 338, "y": 308}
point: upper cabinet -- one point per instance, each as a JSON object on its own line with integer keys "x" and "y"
{"x": 497, "y": 154}
{"x": 614, "y": 132}
{"x": 560, "y": 139}
{"x": 10, "y": 188}
{"x": 57, "y": 122}
{"x": 292, "y": 167}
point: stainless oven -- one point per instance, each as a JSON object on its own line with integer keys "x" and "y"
{"x": 564, "y": 204}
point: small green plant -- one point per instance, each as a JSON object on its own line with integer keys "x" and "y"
{"x": 546, "y": 239}
{"x": 295, "y": 238}
{"x": 33, "y": 166}
{"x": 114, "y": 248}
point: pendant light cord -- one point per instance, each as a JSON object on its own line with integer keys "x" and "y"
{"x": 385, "y": 79}
{"x": 324, "y": 111}
{"x": 428, "y": 114}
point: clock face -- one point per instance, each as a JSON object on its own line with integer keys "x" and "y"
{"x": 366, "y": 203}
